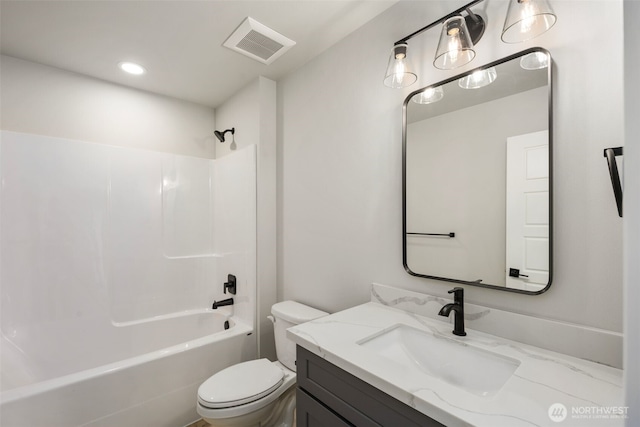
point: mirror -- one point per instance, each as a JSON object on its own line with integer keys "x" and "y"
{"x": 477, "y": 176}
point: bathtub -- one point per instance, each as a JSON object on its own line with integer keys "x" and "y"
{"x": 121, "y": 374}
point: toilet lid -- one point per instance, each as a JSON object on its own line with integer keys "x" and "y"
{"x": 239, "y": 384}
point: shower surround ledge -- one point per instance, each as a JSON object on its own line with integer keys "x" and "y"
{"x": 591, "y": 393}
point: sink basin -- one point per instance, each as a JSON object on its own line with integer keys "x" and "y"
{"x": 473, "y": 369}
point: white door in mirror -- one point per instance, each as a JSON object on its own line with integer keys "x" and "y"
{"x": 528, "y": 211}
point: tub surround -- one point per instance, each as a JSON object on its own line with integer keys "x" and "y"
{"x": 542, "y": 379}
{"x": 133, "y": 234}
{"x": 111, "y": 258}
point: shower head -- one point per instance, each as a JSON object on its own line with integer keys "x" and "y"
{"x": 220, "y": 135}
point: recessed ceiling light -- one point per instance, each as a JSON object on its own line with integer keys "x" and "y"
{"x": 131, "y": 68}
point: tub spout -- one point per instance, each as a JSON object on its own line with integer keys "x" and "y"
{"x": 224, "y": 302}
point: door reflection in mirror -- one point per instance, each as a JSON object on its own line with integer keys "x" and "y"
{"x": 528, "y": 210}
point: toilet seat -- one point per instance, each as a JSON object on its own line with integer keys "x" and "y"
{"x": 240, "y": 384}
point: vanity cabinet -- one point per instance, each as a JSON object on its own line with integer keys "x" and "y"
{"x": 328, "y": 396}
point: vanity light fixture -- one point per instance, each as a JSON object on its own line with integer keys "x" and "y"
{"x": 525, "y": 20}
{"x": 534, "y": 61}
{"x": 132, "y": 68}
{"x": 454, "y": 50}
{"x": 478, "y": 79}
{"x": 399, "y": 72}
{"x": 429, "y": 95}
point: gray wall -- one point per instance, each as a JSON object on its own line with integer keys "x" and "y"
{"x": 44, "y": 100}
{"x": 340, "y": 164}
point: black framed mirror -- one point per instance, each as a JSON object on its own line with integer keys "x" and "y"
{"x": 477, "y": 176}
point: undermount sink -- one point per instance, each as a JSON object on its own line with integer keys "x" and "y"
{"x": 473, "y": 369}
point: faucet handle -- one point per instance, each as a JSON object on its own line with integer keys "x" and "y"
{"x": 230, "y": 285}
{"x": 458, "y": 293}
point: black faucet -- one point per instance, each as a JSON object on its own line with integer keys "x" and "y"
{"x": 222, "y": 303}
{"x": 458, "y": 306}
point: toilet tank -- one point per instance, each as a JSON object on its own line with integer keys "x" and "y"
{"x": 287, "y": 314}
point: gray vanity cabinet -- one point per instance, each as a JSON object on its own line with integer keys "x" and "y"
{"x": 328, "y": 396}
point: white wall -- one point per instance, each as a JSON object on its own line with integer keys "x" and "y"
{"x": 252, "y": 112}
{"x": 632, "y": 210}
{"x": 340, "y": 165}
{"x": 43, "y": 100}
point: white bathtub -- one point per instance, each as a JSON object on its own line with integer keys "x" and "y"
{"x": 133, "y": 374}
{"x": 109, "y": 257}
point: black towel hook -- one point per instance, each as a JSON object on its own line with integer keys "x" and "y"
{"x": 611, "y": 154}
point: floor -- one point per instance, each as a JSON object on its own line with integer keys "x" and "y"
{"x": 201, "y": 423}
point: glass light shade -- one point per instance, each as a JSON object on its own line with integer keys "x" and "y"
{"x": 527, "y": 19}
{"x": 429, "y": 95}
{"x": 534, "y": 61}
{"x": 399, "y": 71}
{"x": 478, "y": 79}
{"x": 455, "y": 48}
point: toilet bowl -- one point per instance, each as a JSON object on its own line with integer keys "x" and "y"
{"x": 258, "y": 393}
{"x": 254, "y": 393}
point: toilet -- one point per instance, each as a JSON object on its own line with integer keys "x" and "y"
{"x": 258, "y": 393}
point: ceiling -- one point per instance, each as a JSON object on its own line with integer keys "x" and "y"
{"x": 178, "y": 42}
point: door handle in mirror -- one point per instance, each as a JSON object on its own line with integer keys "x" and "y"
{"x": 514, "y": 272}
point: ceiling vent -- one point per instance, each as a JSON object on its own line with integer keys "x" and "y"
{"x": 259, "y": 42}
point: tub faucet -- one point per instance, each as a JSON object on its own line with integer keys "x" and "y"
{"x": 458, "y": 307}
{"x": 222, "y": 303}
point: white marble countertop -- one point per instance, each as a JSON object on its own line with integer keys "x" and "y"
{"x": 590, "y": 392}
